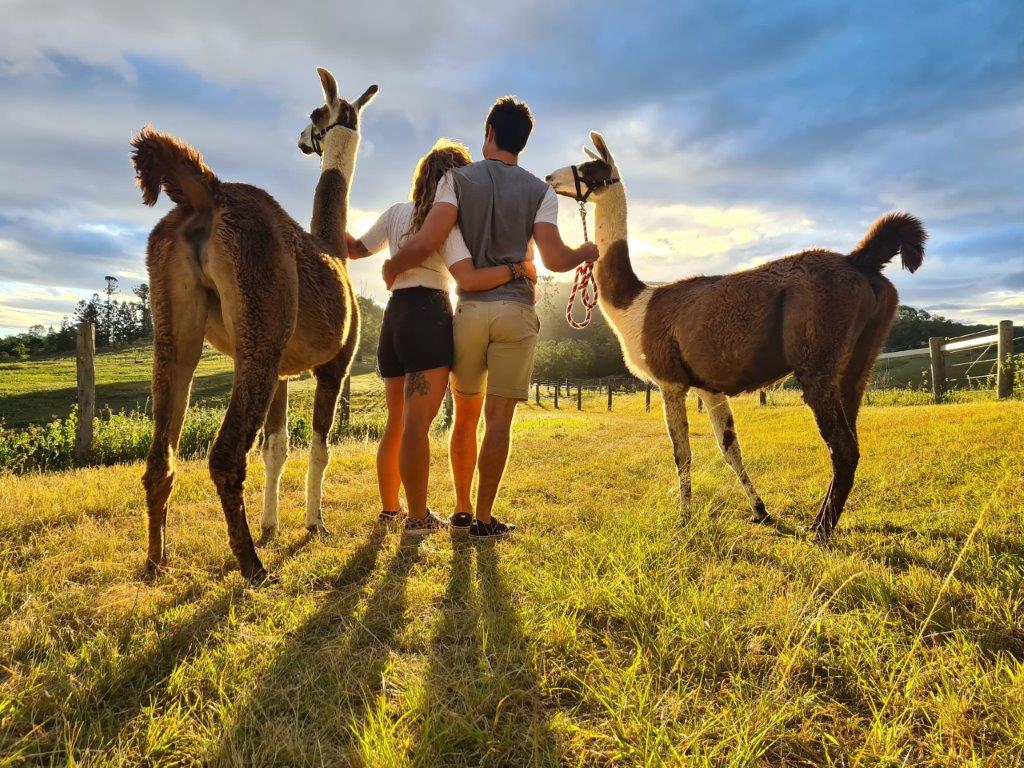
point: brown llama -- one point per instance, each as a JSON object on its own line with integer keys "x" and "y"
{"x": 228, "y": 265}
{"x": 819, "y": 315}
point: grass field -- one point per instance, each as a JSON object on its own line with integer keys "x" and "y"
{"x": 40, "y": 390}
{"x": 608, "y": 632}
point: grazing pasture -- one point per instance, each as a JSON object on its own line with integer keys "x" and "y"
{"x": 607, "y": 632}
{"x": 40, "y": 390}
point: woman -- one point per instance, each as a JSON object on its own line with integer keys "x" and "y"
{"x": 414, "y": 354}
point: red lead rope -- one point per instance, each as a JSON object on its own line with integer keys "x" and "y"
{"x": 583, "y": 285}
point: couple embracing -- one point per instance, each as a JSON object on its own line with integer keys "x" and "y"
{"x": 476, "y": 223}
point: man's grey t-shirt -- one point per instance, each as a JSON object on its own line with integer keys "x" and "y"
{"x": 498, "y": 206}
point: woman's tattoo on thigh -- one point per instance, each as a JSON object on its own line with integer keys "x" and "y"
{"x": 416, "y": 384}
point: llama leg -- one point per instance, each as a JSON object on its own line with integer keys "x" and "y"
{"x": 858, "y": 369}
{"x": 179, "y": 317}
{"x": 275, "y": 452}
{"x": 254, "y": 386}
{"x": 325, "y": 401}
{"x": 674, "y": 398}
{"x": 724, "y": 427}
{"x": 825, "y": 400}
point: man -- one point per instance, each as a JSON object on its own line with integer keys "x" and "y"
{"x": 500, "y": 208}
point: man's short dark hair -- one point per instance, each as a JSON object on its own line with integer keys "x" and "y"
{"x": 512, "y": 121}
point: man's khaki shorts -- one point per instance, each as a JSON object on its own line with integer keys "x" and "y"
{"x": 494, "y": 344}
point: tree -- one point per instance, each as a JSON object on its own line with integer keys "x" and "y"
{"x": 127, "y": 326}
{"x": 565, "y": 359}
{"x": 110, "y": 309}
{"x": 913, "y": 327}
{"x": 371, "y": 316}
{"x": 145, "y": 315}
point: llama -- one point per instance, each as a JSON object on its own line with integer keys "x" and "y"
{"x": 228, "y": 265}
{"x": 819, "y": 315}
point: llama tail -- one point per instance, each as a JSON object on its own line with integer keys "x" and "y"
{"x": 893, "y": 232}
{"x": 163, "y": 161}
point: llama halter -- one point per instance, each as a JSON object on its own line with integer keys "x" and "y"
{"x": 583, "y": 284}
{"x": 316, "y": 138}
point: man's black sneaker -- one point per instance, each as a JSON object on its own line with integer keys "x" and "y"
{"x": 421, "y": 526}
{"x": 490, "y": 531}
{"x": 461, "y": 521}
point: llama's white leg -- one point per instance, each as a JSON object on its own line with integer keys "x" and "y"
{"x": 724, "y": 427}
{"x": 319, "y": 455}
{"x": 674, "y": 398}
{"x": 275, "y": 452}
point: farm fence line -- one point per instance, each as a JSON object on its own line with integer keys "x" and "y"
{"x": 999, "y": 339}
{"x": 980, "y": 369}
{"x": 991, "y": 362}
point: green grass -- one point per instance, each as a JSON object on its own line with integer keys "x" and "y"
{"x": 608, "y": 632}
{"x": 120, "y": 437}
{"x": 39, "y": 391}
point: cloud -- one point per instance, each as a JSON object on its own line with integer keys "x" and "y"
{"x": 744, "y": 131}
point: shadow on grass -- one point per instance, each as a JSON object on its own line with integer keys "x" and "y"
{"x": 959, "y": 616}
{"x": 310, "y": 704}
{"x": 101, "y": 702}
{"x": 895, "y": 550}
{"x": 482, "y": 701}
{"x": 782, "y": 527}
{"x": 44, "y": 405}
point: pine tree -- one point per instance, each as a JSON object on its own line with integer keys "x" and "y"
{"x": 145, "y": 315}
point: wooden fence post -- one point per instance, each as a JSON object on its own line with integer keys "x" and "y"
{"x": 762, "y": 397}
{"x": 346, "y": 399}
{"x": 85, "y": 366}
{"x": 938, "y": 366}
{"x": 536, "y": 392}
{"x": 647, "y": 397}
{"x": 1004, "y": 361}
{"x": 700, "y": 404}
{"x": 558, "y": 387}
{"x": 579, "y": 397}
{"x": 609, "y": 396}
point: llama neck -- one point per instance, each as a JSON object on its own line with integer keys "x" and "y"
{"x": 617, "y": 283}
{"x": 330, "y": 201}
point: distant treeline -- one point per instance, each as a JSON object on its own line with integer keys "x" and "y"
{"x": 562, "y": 353}
{"x": 119, "y": 322}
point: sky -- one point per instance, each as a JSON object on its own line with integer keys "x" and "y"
{"x": 743, "y": 131}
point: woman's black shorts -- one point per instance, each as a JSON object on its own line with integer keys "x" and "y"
{"x": 416, "y": 334}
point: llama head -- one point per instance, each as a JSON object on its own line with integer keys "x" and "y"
{"x": 595, "y": 175}
{"x": 335, "y": 111}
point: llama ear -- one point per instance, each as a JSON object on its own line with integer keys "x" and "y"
{"x": 590, "y": 153}
{"x": 330, "y": 85}
{"x": 601, "y": 146}
{"x": 367, "y": 96}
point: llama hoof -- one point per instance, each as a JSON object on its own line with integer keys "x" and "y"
{"x": 760, "y": 515}
{"x": 821, "y": 534}
{"x": 268, "y": 532}
{"x": 256, "y": 575}
{"x": 155, "y": 568}
{"x": 318, "y": 529}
